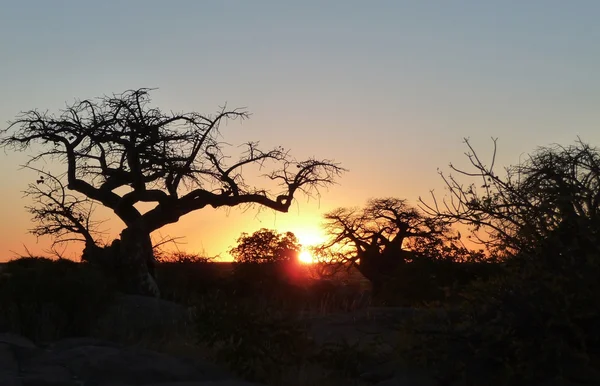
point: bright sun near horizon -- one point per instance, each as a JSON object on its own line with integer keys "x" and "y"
{"x": 308, "y": 237}
{"x": 306, "y": 257}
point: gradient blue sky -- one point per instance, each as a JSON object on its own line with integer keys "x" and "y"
{"x": 388, "y": 88}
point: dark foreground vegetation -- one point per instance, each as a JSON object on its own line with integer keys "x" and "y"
{"x": 252, "y": 318}
{"x": 519, "y": 309}
{"x": 522, "y": 312}
{"x": 521, "y": 322}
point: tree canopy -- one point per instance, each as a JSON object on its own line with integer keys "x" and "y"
{"x": 554, "y": 188}
{"x": 266, "y": 246}
{"x": 378, "y": 238}
{"x": 119, "y": 151}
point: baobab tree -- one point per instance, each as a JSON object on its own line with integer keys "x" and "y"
{"x": 380, "y": 237}
{"x": 119, "y": 151}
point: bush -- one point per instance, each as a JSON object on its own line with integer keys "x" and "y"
{"x": 535, "y": 323}
{"x": 183, "y": 281}
{"x": 426, "y": 281}
{"x": 254, "y": 336}
{"x": 263, "y": 277}
{"x": 45, "y": 299}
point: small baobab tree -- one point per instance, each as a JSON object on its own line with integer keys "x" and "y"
{"x": 380, "y": 237}
{"x": 119, "y": 151}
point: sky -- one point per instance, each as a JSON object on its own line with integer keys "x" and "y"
{"x": 387, "y": 88}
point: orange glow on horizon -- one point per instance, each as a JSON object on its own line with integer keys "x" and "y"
{"x": 310, "y": 236}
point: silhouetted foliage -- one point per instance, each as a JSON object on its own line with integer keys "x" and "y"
{"x": 554, "y": 188}
{"x": 47, "y": 299}
{"x": 266, "y": 246}
{"x": 264, "y": 260}
{"x": 538, "y": 320}
{"x": 184, "y": 281}
{"x": 258, "y": 338}
{"x": 119, "y": 151}
{"x": 385, "y": 235}
{"x": 180, "y": 257}
{"x": 59, "y": 213}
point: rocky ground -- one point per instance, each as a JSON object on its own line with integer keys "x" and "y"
{"x": 97, "y": 361}
{"x": 92, "y": 362}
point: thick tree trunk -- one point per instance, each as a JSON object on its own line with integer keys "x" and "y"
{"x": 137, "y": 263}
{"x": 378, "y": 268}
{"x": 129, "y": 259}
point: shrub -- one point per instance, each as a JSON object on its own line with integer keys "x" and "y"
{"x": 45, "y": 299}
{"x": 184, "y": 281}
{"x": 254, "y": 336}
{"x": 536, "y": 322}
{"x": 426, "y": 281}
{"x": 263, "y": 277}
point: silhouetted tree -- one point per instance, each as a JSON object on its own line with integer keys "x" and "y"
{"x": 554, "y": 192}
{"x": 120, "y": 152}
{"x": 266, "y": 246}
{"x": 380, "y": 237}
{"x": 542, "y": 216}
{"x": 59, "y": 213}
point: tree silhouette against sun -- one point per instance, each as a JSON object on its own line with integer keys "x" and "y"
{"x": 118, "y": 151}
{"x": 266, "y": 246}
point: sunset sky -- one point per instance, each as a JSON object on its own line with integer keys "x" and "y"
{"x": 387, "y": 88}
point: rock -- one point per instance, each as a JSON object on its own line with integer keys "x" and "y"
{"x": 9, "y": 367}
{"x": 371, "y": 329}
{"x": 16, "y": 381}
{"x": 90, "y": 361}
{"x": 69, "y": 343}
{"x": 16, "y": 340}
{"x": 18, "y": 346}
{"x": 48, "y": 376}
{"x": 146, "y": 311}
{"x": 134, "y": 317}
{"x": 105, "y": 364}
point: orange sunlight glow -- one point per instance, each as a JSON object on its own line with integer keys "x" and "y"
{"x": 309, "y": 236}
{"x": 305, "y": 257}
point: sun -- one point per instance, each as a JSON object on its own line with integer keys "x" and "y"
{"x": 309, "y": 236}
{"x": 305, "y": 257}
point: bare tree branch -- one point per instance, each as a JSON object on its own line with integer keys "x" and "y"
{"x": 174, "y": 160}
{"x": 119, "y": 151}
{"x": 59, "y": 213}
{"x": 519, "y": 210}
{"x": 378, "y": 238}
